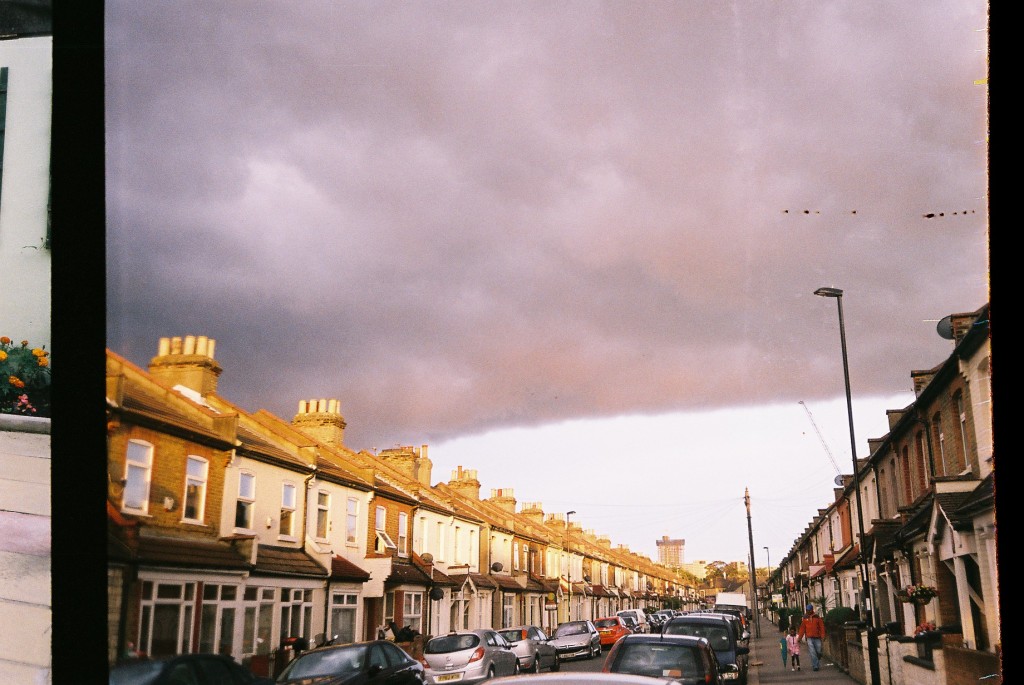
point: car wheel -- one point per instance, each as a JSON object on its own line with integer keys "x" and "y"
{"x": 515, "y": 668}
{"x": 490, "y": 673}
{"x": 557, "y": 665}
{"x": 536, "y": 664}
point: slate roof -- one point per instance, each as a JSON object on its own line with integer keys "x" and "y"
{"x": 479, "y": 579}
{"x": 507, "y": 583}
{"x": 979, "y": 500}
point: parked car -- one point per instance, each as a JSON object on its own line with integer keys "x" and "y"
{"x": 654, "y": 622}
{"x": 741, "y": 632}
{"x": 578, "y": 679}
{"x": 358, "y": 663}
{"x": 468, "y": 656}
{"x": 631, "y": 623}
{"x": 719, "y": 632}
{"x": 531, "y": 646}
{"x": 611, "y": 628}
{"x": 639, "y": 616}
{"x": 576, "y": 639}
{"x": 679, "y": 658}
{"x": 200, "y": 669}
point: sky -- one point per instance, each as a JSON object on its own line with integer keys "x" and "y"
{"x": 571, "y": 245}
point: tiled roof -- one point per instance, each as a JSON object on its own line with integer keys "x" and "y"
{"x": 479, "y": 579}
{"x": 507, "y": 583}
{"x": 343, "y": 569}
{"x": 189, "y": 552}
{"x": 440, "y": 578}
{"x": 403, "y": 572}
{"x": 286, "y": 561}
{"x": 981, "y": 499}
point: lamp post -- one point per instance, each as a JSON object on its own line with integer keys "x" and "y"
{"x": 568, "y": 564}
{"x": 768, "y": 582}
{"x": 865, "y": 585}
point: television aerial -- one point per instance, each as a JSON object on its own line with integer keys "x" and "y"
{"x": 839, "y": 473}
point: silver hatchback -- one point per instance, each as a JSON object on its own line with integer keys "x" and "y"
{"x": 468, "y": 656}
{"x": 530, "y": 644}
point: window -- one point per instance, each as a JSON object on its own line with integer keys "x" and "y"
{"x": 343, "y": 616}
{"x": 287, "y": 524}
{"x": 165, "y": 618}
{"x": 296, "y": 612}
{"x": 403, "y": 533}
{"x": 440, "y": 542}
{"x": 456, "y": 542}
{"x": 195, "y": 488}
{"x": 217, "y": 623}
{"x": 412, "y": 610}
{"x": 323, "y": 510}
{"x": 380, "y": 519}
{"x": 962, "y": 425}
{"x": 351, "y": 520}
{"x": 507, "y": 604}
{"x": 941, "y": 439}
{"x": 138, "y": 470}
{"x": 258, "y": 607}
{"x": 515, "y": 557}
{"x": 246, "y": 500}
{"x": 922, "y": 462}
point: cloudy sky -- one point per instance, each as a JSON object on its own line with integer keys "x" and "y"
{"x": 571, "y": 245}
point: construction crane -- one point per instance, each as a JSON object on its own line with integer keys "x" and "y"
{"x": 822, "y": 438}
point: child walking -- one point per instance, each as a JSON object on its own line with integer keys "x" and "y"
{"x": 793, "y": 647}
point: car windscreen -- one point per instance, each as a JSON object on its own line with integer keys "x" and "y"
{"x": 659, "y": 660}
{"x": 341, "y": 661}
{"x": 513, "y": 635}
{"x": 451, "y": 643}
{"x": 606, "y": 623}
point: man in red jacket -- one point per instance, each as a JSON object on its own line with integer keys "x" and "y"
{"x": 812, "y": 631}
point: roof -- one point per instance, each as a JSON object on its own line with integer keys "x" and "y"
{"x": 286, "y": 561}
{"x": 979, "y": 500}
{"x": 160, "y": 550}
{"x": 343, "y": 569}
{"x": 406, "y": 573}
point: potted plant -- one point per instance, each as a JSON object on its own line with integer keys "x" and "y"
{"x": 24, "y": 379}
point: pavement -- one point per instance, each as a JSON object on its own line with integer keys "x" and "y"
{"x": 25, "y": 600}
{"x": 766, "y": 662}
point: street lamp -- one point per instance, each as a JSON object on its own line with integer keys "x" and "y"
{"x": 568, "y": 563}
{"x": 768, "y": 582}
{"x": 865, "y": 585}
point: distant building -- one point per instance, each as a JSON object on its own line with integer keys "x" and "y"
{"x": 670, "y": 552}
{"x": 698, "y": 569}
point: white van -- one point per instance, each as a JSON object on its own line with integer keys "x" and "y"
{"x": 639, "y": 616}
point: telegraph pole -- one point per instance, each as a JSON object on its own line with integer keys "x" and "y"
{"x": 753, "y": 571}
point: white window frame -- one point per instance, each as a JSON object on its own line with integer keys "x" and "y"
{"x": 195, "y": 488}
{"x": 963, "y": 427}
{"x": 138, "y": 467}
{"x": 343, "y": 612}
{"x": 412, "y": 610}
{"x": 352, "y": 521}
{"x": 296, "y": 612}
{"x": 246, "y": 501}
{"x": 380, "y": 518}
{"x": 323, "y": 514}
{"x": 165, "y": 593}
{"x": 508, "y": 609}
{"x": 288, "y": 505}
{"x": 403, "y": 534}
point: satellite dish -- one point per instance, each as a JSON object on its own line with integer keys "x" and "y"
{"x": 496, "y": 566}
{"x": 839, "y": 479}
{"x": 945, "y": 327}
{"x": 427, "y": 558}
{"x": 436, "y": 593}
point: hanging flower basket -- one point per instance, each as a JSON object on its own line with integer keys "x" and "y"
{"x": 918, "y": 594}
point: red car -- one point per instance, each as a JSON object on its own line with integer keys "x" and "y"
{"x": 611, "y": 629}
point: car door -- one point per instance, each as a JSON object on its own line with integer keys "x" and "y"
{"x": 545, "y": 652}
{"x": 403, "y": 669}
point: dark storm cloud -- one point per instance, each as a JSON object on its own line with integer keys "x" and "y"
{"x": 456, "y": 216}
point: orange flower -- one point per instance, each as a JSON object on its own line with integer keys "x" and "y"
{"x": 4, "y": 340}
{"x": 38, "y": 352}
{"x": 24, "y": 343}
{"x": 16, "y": 382}
{"x": 3, "y": 355}
{"x": 43, "y": 361}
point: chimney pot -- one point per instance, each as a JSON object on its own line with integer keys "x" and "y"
{"x": 302, "y": 406}
{"x": 190, "y": 344}
{"x": 176, "y": 345}
{"x": 164, "y": 348}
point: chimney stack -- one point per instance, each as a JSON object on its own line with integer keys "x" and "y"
{"x": 187, "y": 362}
{"x": 465, "y": 483}
{"x": 322, "y": 420}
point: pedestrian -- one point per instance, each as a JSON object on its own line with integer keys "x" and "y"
{"x": 793, "y": 646}
{"x": 812, "y": 631}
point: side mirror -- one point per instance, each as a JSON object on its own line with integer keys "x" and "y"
{"x": 374, "y": 670}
